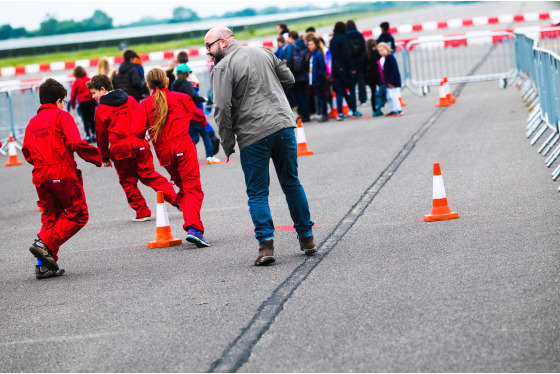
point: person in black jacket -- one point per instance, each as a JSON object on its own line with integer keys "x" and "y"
{"x": 298, "y": 63}
{"x": 129, "y": 78}
{"x": 372, "y": 74}
{"x": 342, "y": 70}
{"x": 357, "y": 44}
{"x": 385, "y": 36}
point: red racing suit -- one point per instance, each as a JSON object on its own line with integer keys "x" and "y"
{"x": 132, "y": 156}
{"x": 175, "y": 149}
{"x": 51, "y": 138}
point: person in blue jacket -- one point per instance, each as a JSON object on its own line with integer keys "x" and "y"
{"x": 391, "y": 78}
{"x": 317, "y": 76}
{"x": 342, "y": 70}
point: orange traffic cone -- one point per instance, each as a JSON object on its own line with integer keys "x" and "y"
{"x": 334, "y": 112}
{"x": 302, "y": 149}
{"x": 400, "y": 98}
{"x": 442, "y": 96}
{"x": 345, "y": 108}
{"x": 440, "y": 209}
{"x": 164, "y": 236}
{"x": 448, "y": 93}
{"x": 13, "y": 160}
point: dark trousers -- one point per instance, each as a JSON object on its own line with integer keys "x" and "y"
{"x": 87, "y": 110}
{"x": 359, "y": 79}
{"x": 300, "y": 92}
{"x": 341, "y": 86}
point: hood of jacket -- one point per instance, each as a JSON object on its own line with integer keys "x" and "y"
{"x": 353, "y": 31}
{"x": 114, "y": 98}
{"x": 300, "y": 44}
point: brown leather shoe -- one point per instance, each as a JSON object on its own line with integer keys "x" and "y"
{"x": 266, "y": 253}
{"x": 307, "y": 245}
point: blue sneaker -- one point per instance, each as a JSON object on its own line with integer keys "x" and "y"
{"x": 195, "y": 236}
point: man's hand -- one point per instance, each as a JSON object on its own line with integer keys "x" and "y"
{"x": 108, "y": 164}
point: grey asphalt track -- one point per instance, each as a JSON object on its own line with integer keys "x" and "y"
{"x": 387, "y": 292}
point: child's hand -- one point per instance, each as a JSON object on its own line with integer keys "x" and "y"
{"x": 108, "y": 164}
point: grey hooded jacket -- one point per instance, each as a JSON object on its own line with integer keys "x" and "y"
{"x": 249, "y": 99}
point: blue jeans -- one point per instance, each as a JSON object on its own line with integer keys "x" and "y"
{"x": 196, "y": 132}
{"x": 255, "y": 159}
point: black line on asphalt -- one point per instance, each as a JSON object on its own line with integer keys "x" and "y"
{"x": 237, "y": 353}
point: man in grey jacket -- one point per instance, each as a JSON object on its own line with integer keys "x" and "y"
{"x": 250, "y": 104}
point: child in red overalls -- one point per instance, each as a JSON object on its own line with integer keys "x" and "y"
{"x": 166, "y": 117}
{"x": 132, "y": 156}
{"x": 51, "y": 138}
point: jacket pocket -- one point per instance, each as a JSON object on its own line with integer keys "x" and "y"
{"x": 120, "y": 153}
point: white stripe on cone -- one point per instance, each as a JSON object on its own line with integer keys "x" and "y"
{"x": 300, "y": 135}
{"x": 439, "y": 189}
{"x": 12, "y": 149}
{"x": 162, "y": 218}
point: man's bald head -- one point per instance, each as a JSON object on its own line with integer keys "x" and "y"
{"x": 216, "y": 41}
{"x": 219, "y": 32}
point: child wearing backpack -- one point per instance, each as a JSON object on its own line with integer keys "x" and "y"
{"x": 51, "y": 138}
{"x": 357, "y": 44}
{"x": 298, "y": 63}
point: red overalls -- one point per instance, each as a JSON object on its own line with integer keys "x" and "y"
{"x": 176, "y": 150}
{"x": 51, "y": 138}
{"x": 132, "y": 156}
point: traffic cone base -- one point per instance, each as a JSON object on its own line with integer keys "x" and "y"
{"x": 13, "y": 160}
{"x": 401, "y": 101}
{"x": 334, "y": 111}
{"x": 302, "y": 149}
{"x": 164, "y": 237}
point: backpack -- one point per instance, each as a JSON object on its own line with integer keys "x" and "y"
{"x": 299, "y": 64}
{"x": 355, "y": 45}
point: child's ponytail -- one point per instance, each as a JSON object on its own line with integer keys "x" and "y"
{"x": 157, "y": 80}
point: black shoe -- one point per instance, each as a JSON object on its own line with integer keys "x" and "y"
{"x": 323, "y": 119}
{"x": 215, "y": 144}
{"x": 266, "y": 253}
{"x": 43, "y": 253}
{"x": 307, "y": 245}
{"x": 43, "y": 272}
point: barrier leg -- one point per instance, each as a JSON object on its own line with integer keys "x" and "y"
{"x": 556, "y": 173}
{"x": 553, "y": 156}
{"x": 539, "y": 134}
{"x": 533, "y": 127}
{"x": 554, "y": 140}
{"x": 546, "y": 142}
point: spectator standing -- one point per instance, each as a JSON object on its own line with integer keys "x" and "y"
{"x": 391, "y": 79}
{"x": 196, "y": 130}
{"x": 372, "y": 73}
{"x": 51, "y": 138}
{"x": 282, "y": 30}
{"x": 103, "y": 67}
{"x": 296, "y": 56}
{"x": 385, "y": 36}
{"x": 256, "y": 112}
{"x": 168, "y": 129}
{"x": 86, "y": 104}
{"x": 357, "y": 44}
{"x": 131, "y": 156}
{"x": 342, "y": 70}
{"x": 129, "y": 78}
{"x": 317, "y": 77}
{"x": 169, "y": 72}
{"x": 280, "y": 51}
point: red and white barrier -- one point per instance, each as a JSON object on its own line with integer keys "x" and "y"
{"x": 401, "y": 29}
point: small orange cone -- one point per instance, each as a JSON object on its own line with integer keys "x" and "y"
{"x": 442, "y": 96}
{"x": 345, "y": 108}
{"x": 302, "y": 149}
{"x": 164, "y": 236}
{"x": 448, "y": 93}
{"x": 440, "y": 209}
{"x": 13, "y": 160}
{"x": 400, "y": 98}
{"x": 334, "y": 112}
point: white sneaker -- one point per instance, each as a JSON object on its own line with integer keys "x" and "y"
{"x": 212, "y": 160}
{"x": 363, "y": 104}
{"x": 143, "y": 219}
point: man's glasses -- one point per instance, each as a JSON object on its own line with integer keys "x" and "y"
{"x": 208, "y": 46}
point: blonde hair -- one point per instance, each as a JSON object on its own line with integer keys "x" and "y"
{"x": 103, "y": 66}
{"x": 384, "y": 45}
{"x": 157, "y": 80}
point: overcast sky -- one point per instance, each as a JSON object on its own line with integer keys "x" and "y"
{"x": 29, "y": 14}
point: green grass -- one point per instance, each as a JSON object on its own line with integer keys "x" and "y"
{"x": 171, "y": 45}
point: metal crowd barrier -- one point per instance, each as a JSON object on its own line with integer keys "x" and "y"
{"x": 539, "y": 82}
{"x": 18, "y": 104}
{"x": 472, "y": 57}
